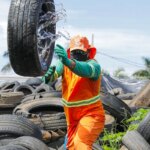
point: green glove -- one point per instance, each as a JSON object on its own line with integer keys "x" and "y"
{"x": 62, "y": 54}
{"x": 49, "y": 75}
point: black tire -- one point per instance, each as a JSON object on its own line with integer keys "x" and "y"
{"x": 117, "y": 108}
{"x": 25, "y": 88}
{"x": 13, "y": 147}
{"x": 16, "y": 126}
{"x": 144, "y": 128}
{"x": 43, "y": 88}
{"x": 34, "y": 82}
{"x": 50, "y": 122}
{"x": 10, "y": 86}
{"x": 134, "y": 141}
{"x": 30, "y": 143}
{"x": 13, "y": 98}
{"x": 24, "y": 21}
{"x": 44, "y": 106}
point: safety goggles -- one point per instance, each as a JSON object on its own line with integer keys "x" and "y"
{"x": 78, "y": 51}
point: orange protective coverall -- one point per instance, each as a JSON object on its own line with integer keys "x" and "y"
{"x": 83, "y": 109}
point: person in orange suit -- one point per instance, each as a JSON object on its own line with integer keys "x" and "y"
{"x": 81, "y": 82}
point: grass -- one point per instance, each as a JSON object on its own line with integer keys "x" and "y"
{"x": 112, "y": 140}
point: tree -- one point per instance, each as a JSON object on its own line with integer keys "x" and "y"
{"x": 120, "y": 73}
{"x": 7, "y": 67}
{"x": 144, "y": 73}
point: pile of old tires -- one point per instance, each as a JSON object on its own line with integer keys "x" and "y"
{"x": 32, "y": 111}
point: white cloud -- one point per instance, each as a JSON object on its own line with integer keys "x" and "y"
{"x": 4, "y": 7}
{"x": 118, "y": 41}
{"x": 3, "y": 37}
{"x": 131, "y": 45}
{"x": 3, "y": 26}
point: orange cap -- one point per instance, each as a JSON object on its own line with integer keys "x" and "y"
{"x": 78, "y": 42}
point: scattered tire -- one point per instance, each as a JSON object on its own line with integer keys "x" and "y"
{"x": 30, "y": 143}
{"x": 40, "y": 106}
{"x": 10, "y": 86}
{"x": 116, "y": 107}
{"x": 26, "y": 89}
{"x": 134, "y": 141}
{"x": 34, "y": 82}
{"x": 25, "y": 20}
{"x": 50, "y": 122}
{"x": 43, "y": 88}
{"x": 144, "y": 128}
{"x": 13, "y": 98}
{"x": 13, "y": 125}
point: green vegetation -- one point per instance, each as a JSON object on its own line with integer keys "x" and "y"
{"x": 112, "y": 140}
{"x": 144, "y": 73}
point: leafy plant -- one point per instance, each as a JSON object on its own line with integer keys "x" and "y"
{"x": 112, "y": 140}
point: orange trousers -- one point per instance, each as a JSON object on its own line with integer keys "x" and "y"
{"x": 82, "y": 134}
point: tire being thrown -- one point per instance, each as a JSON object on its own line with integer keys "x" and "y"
{"x": 30, "y": 46}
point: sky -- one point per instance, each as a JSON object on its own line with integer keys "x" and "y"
{"x": 121, "y": 29}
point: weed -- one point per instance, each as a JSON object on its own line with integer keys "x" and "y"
{"x": 111, "y": 140}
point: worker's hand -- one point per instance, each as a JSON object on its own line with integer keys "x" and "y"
{"x": 49, "y": 75}
{"x": 62, "y": 54}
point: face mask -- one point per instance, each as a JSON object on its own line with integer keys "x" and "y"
{"x": 79, "y": 55}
